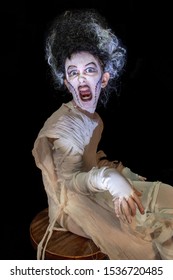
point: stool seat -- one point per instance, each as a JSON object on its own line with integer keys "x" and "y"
{"x": 63, "y": 244}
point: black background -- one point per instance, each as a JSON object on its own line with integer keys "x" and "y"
{"x": 138, "y": 125}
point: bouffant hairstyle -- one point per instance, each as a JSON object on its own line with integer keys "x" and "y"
{"x": 84, "y": 30}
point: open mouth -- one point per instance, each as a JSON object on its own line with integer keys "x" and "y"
{"x": 85, "y": 93}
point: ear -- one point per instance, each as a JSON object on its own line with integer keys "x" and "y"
{"x": 105, "y": 79}
{"x": 65, "y": 83}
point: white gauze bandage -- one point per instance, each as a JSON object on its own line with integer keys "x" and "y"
{"x": 103, "y": 179}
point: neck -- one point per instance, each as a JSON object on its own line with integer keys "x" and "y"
{"x": 87, "y": 113}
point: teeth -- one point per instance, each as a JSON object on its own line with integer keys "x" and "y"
{"x": 85, "y": 93}
{"x": 85, "y": 97}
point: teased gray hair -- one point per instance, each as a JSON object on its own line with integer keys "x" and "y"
{"x": 84, "y": 30}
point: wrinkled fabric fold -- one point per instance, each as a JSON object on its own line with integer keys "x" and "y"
{"x": 64, "y": 151}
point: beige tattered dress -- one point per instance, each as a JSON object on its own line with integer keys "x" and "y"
{"x": 66, "y": 147}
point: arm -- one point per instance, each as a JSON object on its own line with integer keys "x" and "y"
{"x": 102, "y": 160}
{"x": 68, "y": 161}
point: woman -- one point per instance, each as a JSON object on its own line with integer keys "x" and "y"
{"x": 126, "y": 216}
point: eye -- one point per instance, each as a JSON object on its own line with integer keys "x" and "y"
{"x": 90, "y": 70}
{"x": 72, "y": 73}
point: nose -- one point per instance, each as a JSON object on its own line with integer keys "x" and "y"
{"x": 81, "y": 78}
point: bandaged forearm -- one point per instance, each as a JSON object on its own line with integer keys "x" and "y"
{"x": 102, "y": 179}
{"x": 68, "y": 165}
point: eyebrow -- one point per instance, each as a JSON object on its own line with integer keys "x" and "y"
{"x": 91, "y": 63}
{"x": 74, "y": 66}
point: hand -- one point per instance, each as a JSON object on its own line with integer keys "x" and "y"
{"x": 131, "y": 175}
{"x": 125, "y": 209}
{"x": 141, "y": 178}
{"x": 137, "y": 192}
{"x": 125, "y": 197}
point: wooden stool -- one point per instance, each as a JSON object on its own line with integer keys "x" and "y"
{"x": 63, "y": 244}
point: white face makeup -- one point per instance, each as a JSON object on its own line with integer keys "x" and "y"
{"x": 84, "y": 80}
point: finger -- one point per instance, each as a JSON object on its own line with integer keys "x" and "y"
{"x": 137, "y": 192}
{"x": 141, "y": 178}
{"x": 118, "y": 211}
{"x": 117, "y": 207}
{"x": 122, "y": 216}
{"x": 132, "y": 205}
{"x": 138, "y": 203}
{"x": 126, "y": 211}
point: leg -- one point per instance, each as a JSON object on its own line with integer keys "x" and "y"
{"x": 100, "y": 223}
{"x": 164, "y": 202}
{"x": 74, "y": 228}
{"x": 165, "y": 197}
